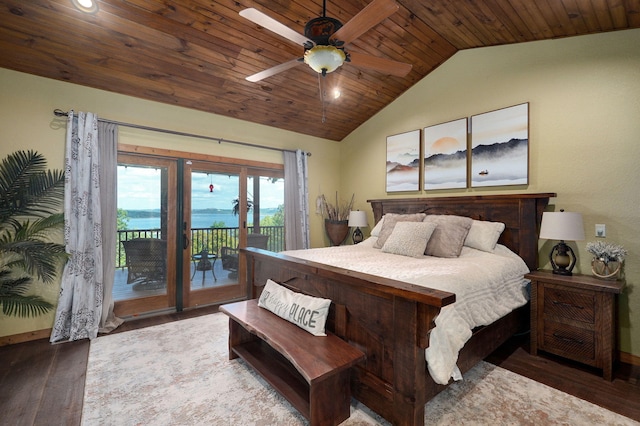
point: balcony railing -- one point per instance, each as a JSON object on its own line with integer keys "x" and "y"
{"x": 211, "y": 239}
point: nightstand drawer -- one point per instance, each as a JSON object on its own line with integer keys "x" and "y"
{"x": 579, "y": 306}
{"x": 566, "y": 340}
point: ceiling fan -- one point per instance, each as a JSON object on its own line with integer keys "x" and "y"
{"x": 324, "y": 40}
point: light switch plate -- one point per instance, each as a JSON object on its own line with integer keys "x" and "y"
{"x": 601, "y": 231}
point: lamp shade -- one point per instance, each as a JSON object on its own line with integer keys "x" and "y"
{"x": 565, "y": 226}
{"x": 324, "y": 59}
{"x": 358, "y": 218}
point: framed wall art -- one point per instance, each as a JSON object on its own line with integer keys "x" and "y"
{"x": 403, "y": 162}
{"x": 500, "y": 147}
{"x": 445, "y": 155}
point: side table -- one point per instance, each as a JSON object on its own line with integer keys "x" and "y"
{"x": 575, "y": 317}
{"x": 202, "y": 262}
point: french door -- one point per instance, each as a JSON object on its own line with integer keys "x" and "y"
{"x": 145, "y": 277}
{"x": 212, "y": 231}
{"x": 180, "y": 224}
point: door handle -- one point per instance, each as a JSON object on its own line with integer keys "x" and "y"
{"x": 185, "y": 241}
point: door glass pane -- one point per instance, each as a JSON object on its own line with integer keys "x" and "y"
{"x": 214, "y": 229}
{"x": 265, "y": 197}
{"x": 141, "y": 250}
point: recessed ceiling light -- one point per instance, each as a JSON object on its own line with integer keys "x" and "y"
{"x": 336, "y": 93}
{"x": 87, "y": 6}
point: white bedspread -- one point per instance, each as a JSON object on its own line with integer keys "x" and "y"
{"x": 487, "y": 287}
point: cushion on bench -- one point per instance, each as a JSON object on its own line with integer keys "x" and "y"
{"x": 307, "y": 312}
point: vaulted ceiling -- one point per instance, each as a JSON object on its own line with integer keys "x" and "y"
{"x": 197, "y": 53}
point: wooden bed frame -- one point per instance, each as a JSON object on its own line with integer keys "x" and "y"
{"x": 390, "y": 320}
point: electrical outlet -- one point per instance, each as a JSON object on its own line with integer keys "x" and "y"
{"x": 601, "y": 231}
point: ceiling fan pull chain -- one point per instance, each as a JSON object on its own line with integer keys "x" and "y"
{"x": 324, "y": 118}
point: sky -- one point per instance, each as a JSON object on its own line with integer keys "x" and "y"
{"x": 139, "y": 189}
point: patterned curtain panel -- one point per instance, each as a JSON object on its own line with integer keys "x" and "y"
{"x": 82, "y": 290}
{"x": 296, "y": 200}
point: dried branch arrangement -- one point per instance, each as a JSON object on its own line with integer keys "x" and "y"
{"x": 338, "y": 211}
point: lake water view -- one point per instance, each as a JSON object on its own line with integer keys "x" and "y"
{"x": 197, "y": 221}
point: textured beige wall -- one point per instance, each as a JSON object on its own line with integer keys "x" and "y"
{"x": 27, "y": 104}
{"x": 584, "y": 95}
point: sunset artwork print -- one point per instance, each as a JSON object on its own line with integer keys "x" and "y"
{"x": 500, "y": 147}
{"x": 403, "y": 162}
{"x": 445, "y": 155}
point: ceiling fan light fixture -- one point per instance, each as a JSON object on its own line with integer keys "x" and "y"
{"x": 324, "y": 59}
{"x": 86, "y": 6}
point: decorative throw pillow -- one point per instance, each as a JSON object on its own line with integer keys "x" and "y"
{"x": 448, "y": 238}
{"x": 390, "y": 220}
{"x": 307, "y": 312}
{"x": 409, "y": 238}
{"x": 484, "y": 235}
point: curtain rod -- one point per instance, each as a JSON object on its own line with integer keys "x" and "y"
{"x": 61, "y": 113}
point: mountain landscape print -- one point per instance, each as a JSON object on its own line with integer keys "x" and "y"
{"x": 403, "y": 162}
{"x": 500, "y": 147}
{"x": 445, "y": 155}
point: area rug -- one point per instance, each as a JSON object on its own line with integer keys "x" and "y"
{"x": 179, "y": 374}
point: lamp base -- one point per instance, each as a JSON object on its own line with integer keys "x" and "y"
{"x": 562, "y": 259}
{"x": 357, "y": 236}
{"x": 561, "y": 271}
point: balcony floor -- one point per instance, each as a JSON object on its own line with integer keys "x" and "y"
{"x": 124, "y": 291}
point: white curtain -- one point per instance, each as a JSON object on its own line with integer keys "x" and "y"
{"x": 82, "y": 293}
{"x": 108, "y": 143}
{"x": 296, "y": 200}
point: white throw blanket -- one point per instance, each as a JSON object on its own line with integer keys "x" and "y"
{"x": 487, "y": 287}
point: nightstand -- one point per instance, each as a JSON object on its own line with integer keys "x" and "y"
{"x": 575, "y": 317}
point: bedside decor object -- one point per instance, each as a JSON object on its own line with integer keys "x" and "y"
{"x": 336, "y": 219}
{"x": 357, "y": 219}
{"x": 563, "y": 226}
{"x": 607, "y": 259}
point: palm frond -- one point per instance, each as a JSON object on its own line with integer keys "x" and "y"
{"x": 24, "y": 306}
{"x": 15, "y": 300}
{"x": 27, "y": 188}
{"x": 38, "y": 258}
{"x": 39, "y": 229}
{"x": 30, "y": 201}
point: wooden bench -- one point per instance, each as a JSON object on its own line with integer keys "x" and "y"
{"x": 311, "y": 372}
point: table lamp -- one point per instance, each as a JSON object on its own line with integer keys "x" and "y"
{"x": 563, "y": 226}
{"x": 357, "y": 219}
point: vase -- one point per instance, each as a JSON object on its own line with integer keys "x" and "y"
{"x": 605, "y": 270}
{"x": 337, "y": 230}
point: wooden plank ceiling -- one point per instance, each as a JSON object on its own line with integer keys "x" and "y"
{"x": 197, "y": 53}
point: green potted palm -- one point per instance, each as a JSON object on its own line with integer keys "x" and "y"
{"x": 30, "y": 200}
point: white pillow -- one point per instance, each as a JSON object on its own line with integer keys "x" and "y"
{"x": 484, "y": 235}
{"x": 409, "y": 238}
{"x": 307, "y": 312}
{"x": 376, "y": 229}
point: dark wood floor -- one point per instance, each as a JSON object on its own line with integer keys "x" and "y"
{"x": 43, "y": 384}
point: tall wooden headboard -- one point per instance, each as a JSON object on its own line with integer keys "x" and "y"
{"x": 521, "y": 214}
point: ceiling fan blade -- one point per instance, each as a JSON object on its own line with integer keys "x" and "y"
{"x": 386, "y": 66}
{"x": 271, "y": 24}
{"x": 273, "y": 70}
{"x": 374, "y": 13}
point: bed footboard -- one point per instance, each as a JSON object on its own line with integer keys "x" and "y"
{"x": 386, "y": 319}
